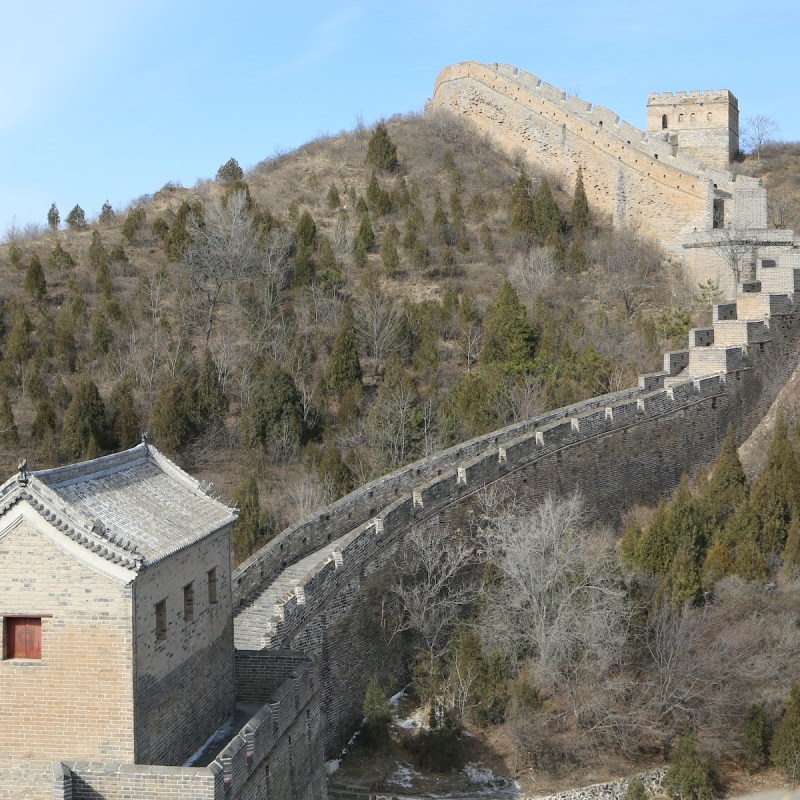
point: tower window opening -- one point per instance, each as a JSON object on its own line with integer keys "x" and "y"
{"x": 664, "y": 123}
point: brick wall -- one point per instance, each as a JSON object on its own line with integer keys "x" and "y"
{"x": 77, "y": 700}
{"x": 185, "y": 682}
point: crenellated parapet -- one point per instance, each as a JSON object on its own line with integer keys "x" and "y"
{"x": 617, "y": 449}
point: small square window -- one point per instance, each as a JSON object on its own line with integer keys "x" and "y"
{"x": 188, "y": 602}
{"x": 23, "y": 637}
{"x": 212, "y": 585}
{"x": 161, "y": 621}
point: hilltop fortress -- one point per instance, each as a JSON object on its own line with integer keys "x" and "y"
{"x": 672, "y": 182}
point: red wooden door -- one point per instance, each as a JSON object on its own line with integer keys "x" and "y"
{"x": 23, "y": 637}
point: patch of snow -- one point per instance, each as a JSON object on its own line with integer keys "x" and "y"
{"x": 416, "y": 720}
{"x": 331, "y": 766}
{"x": 403, "y": 777}
{"x": 395, "y": 699}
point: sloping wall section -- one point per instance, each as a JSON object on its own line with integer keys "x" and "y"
{"x": 617, "y": 449}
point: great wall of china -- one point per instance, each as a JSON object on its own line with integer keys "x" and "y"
{"x": 316, "y": 590}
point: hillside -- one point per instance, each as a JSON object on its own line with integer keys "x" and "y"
{"x": 221, "y": 356}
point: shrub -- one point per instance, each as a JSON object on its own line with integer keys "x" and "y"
{"x": 230, "y": 172}
{"x": 689, "y": 776}
{"x": 377, "y": 717}
{"x": 785, "y": 747}
{"x": 134, "y": 221}
{"x": 381, "y": 151}
{"x": 636, "y": 791}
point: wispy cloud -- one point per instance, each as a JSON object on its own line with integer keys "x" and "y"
{"x": 323, "y": 41}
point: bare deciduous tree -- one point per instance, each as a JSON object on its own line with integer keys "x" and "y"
{"x": 533, "y": 272}
{"x": 378, "y": 324}
{"x": 757, "y": 132}
{"x": 558, "y": 602}
{"x": 222, "y": 252}
{"x": 432, "y": 587}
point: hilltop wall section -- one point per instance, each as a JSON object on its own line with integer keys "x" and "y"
{"x": 617, "y": 449}
{"x": 638, "y": 180}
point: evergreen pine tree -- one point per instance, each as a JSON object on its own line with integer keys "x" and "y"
{"x": 718, "y": 564}
{"x": 548, "y": 224}
{"x": 212, "y": 405}
{"x": 381, "y": 150}
{"x": 579, "y": 214}
{"x": 35, "y": 284}
{"x": 755, "y": 735}
{"x": 102, "y": 332}
{"x": 230, "y": 172}
{"x": 683, "y": 578}
{"x": 727, "y": 487}
{"x": 66, "y": 350}
{"x": 44, "y": 423}
{"x": 84, "y": 432}
{"x": 750, "y": 564}
{"x": 246, "y": 532}
{"x": 133, "y": 224}
{"x": 53, "y": 218}
{"x": 776, "y": 492}
{"x": 508, "y": 339}
{"x": 15, "y": 255}
{"x": 364, "y": 239}
{"x": 521, "y": 211}
{"x": 334, "y": 473}
{"x": 377, "y": 716}
{"x": 8, "y": 427}
{"x": 785, "y": 746}
{"x": 791, "y": 552}
{"x": 390, "y": 258}
{"x": 173, "y": 418}
{"x": 178, "y": 237}
{"x": 343, "y": 370}
{"x": 124, "y": 423}
{"x": 689, "y": 775}
{"x": 60, "y": 258}
{"x": 333, "y": 199}
{"x": 76, "y": 219}
{"x": 741, "y": 526}
{"x": 107, "y": 215}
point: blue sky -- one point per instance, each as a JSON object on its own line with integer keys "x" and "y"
{"x": 112, "y": 99}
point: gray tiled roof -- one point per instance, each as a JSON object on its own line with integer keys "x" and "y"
{"x": 134, "y": 507}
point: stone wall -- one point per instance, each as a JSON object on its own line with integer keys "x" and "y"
{"x": 276, "y": 754}
{"x": 185, "y": 682}
{"x": 617, "y": 449}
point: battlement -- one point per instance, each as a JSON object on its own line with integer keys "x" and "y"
{"x": 707, "y": 96}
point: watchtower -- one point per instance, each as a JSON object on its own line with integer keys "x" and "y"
{"x": 703, "y": 125}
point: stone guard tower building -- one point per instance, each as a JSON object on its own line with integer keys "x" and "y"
{"x": 117, "y": 632}
{"x": 703, "y": 125}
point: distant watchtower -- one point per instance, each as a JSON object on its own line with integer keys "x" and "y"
{"x": 703, "y": 125}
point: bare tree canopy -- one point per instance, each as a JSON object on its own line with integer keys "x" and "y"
{"x": 223, "y": 250}
{"x": 757, "y": 132}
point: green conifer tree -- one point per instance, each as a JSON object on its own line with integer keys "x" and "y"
{"x": 178, "y": 236}
{"x": 521, "y": 210}
{"x": 64, "y": 345}
{"x": 343, "y": 370}
{"x": 102, "y": 332}
{"x": 390, "y": 258}
{"x": 334, "y": 473}
{"x": 212, "y": 405}
{"x": 750, "y": 563}
{"x": 381, "y": 150}
{"x": 84, "y": 431}
{"x": 755, "y": 735}
{"x": 776, "y": 493}
{"x": 35, "y": 284}
{"x": 727, "y": 487}
{"x": 508, "y": 339}
{"x": 689, "y": 775}
{"x": 333, "y": 199}
{"x": 53, "y": 218}
{"x": 107, "y": 215}
{"x": 173, "y": 418}
{"x": 247, "y": 530}
{"x": 548, "y": 224}
{"x": 124, "y": 424}
{"x": 45, "y": 422}
{"x": 377, "y": 717}
{"x": 76, "y": 219}
{"x": 230, "y": 172}
{"x": 133, "y": 224}
{"x": 718, "y": 565}
{"x": 785, "y": 745}
{"x": 683, "y": 579}
{"x": 579, "y": 214}
{"x": 15, "y": 255}
{"x": 364, "y": 239}
{"x": 791, "y": 552}
{"x": 60, "y": 258}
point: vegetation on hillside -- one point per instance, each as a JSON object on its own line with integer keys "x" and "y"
{"x": 325, "y": 317}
